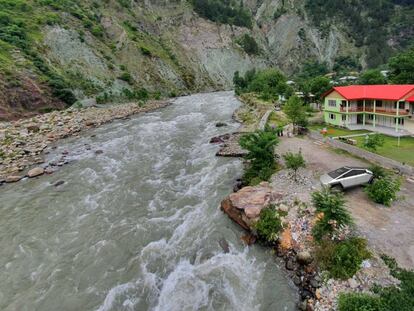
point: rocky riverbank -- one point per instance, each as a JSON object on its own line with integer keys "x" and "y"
{"x": 23, "y": 142}
{"x": 295, "y": 243}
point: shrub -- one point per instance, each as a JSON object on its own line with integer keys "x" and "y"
{"x": 378, "y": 171}
{"x": 359, "y": 302}
{"x": 374, "y": 141}
{"x": 260, "y": 146}
{"x": 269, "y": 224}
{"x": 335, "y": 216}
{"x": 126, "y": 76}
{"x": 342, "y": 259}
{"x": 294, "y": 161}
{"x": 383, "y": 190}
{"x": 249, "y": 44}
{"x": 145, "y": 51}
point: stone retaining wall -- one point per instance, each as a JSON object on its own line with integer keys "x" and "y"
{"x": 372, "y": 157}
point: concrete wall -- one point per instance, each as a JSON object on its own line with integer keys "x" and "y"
{"x": 364, "y": 154}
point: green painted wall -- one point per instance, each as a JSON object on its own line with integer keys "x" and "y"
{"x": 337, "y": 121}
{"x": 329, "y": 108}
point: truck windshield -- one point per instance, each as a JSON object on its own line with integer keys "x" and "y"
{"x": 338, "y": 172}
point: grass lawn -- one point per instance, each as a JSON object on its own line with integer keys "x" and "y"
{"x": 404, "y": 153}
{"x": 336, "y": 131}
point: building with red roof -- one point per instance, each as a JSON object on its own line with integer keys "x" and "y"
{"x": 383, "y": 108}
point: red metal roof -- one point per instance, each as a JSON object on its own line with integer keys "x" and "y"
{"x": 384, "y": 92}
{"x": 411, "y": 99}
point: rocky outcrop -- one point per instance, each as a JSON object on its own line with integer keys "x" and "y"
{"x": 244, "y": 206}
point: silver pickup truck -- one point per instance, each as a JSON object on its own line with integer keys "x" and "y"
{"x": 347, "y": 177}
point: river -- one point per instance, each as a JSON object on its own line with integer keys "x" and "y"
{"x": 138, "y": 226}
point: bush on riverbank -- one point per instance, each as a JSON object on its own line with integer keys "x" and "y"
{"x": 342, "y": 259}
{"x": 333, "y": 215}
{"x": 269, "y": 224}
{"x": 262, "y": 160}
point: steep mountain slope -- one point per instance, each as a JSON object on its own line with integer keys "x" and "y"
{"x": 56, "y": 52}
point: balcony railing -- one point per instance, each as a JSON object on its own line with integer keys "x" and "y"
{"x": 401, "y": 112}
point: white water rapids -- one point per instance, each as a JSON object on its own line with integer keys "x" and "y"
{"x": 137, "y": 227}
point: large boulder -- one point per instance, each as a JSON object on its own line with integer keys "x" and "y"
{"x": 37, "y": 171}
{"x": 244, "y": 206}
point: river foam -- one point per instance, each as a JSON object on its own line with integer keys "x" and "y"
{"x": 137, "y": 227}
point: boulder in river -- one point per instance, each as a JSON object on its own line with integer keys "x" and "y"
{"x": 13, "y": 178}
{"x": 244, "y": 206}
{"x": 37, "y": 171}
{"x": 221, "y": 124}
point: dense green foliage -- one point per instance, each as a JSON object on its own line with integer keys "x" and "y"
{"x": 384, "y": 190}
{"x": 374, "y": 141}
{"x": 378, "y": 171}
{"x": 268, "y": 83}
{"x": 342, "y": 259}
{"x": 296, "y": 111}
{"x": 262, "y": 160}
{"x": 334, "y": 215}
{"x": 369, "y": 23}
{"x": 402, "y": 68}
{"x": 294, "y": 161}
{"x": 224, "y": 11}
{"x": 249, "y": 44}
{"x": 318, "y": 86}
{"x": 372, "y": 76}
{"x": 359, "y": 302}
{"x": 269, "y": 224}
{"x": 385, "y": 299}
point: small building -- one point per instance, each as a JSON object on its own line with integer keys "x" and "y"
{"x": 388, "y": 109}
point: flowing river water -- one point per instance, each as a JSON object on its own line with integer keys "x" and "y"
{"x": 138, "y": 226}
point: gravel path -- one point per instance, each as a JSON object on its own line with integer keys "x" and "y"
{"x": 389, "y": 230}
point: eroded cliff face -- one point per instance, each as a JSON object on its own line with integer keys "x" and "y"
{"x": 165, "y": 47}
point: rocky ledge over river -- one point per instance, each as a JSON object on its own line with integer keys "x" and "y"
{"x": 295, "y": 244}
{"x": 22, "y": 142}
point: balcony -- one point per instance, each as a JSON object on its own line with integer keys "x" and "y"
{"x": 379, "y": 110}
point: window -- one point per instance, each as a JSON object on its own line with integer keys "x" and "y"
{"x": 343, "y": 117}
{"x": 353, "y": 173}
{"x": 379, "y": 103}
{"x": 370, "y": 117}
{"x": 332, "y": 103}
{"x": 401, "y": 105}
{"x": 399, "y": 121}
{"x": 332, "y": 116}
{"x": 338, "y": 172}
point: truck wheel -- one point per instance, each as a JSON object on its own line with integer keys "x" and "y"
{"x": 337, "y": 188}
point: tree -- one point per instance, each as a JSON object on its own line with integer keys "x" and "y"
{"x": 374, "y": 141}
{"x": 402, "y": 68}
{"x": 384, "y": 190}
{"x": 262, "y": 160}
{"x": 269, "y": 83}
{"x": 294, "y": 161}
{"x": 373, "y": 76}
{"x": 249, "y": 45}
{"x": 319, "y": 85}
{"x": 295, "y": 111}
{"x": 331, "y": 205}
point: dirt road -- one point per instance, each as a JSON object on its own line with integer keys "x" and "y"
{"x": 388, "y": 230}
